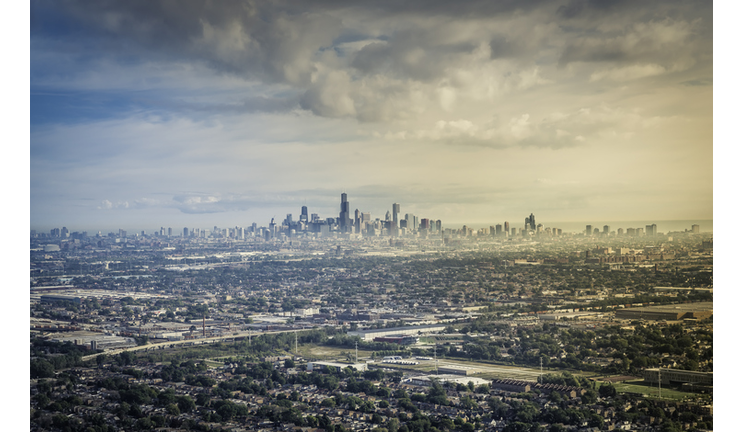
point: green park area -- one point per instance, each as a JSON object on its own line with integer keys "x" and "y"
{"x": 639, "y": 387}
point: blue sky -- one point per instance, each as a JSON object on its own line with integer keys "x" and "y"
{"x": 158, "y": 113}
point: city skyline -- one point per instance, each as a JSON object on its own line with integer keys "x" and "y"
{"x": 205, "y": 115}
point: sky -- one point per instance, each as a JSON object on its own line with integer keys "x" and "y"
{"x": 201, "y": 113}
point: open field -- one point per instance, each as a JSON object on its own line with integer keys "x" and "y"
{"x": 638, "y": 386}
{"x": 481, "y": 370}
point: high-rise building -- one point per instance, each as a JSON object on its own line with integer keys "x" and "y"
{"x": 185, "y": 232}
{"x": 438, "y": 225}
{"x": 588, "y": 230}
{"x": 344, "y": 219}
{"x": 530, "y": 223}
{"x": 395, "y": 217}
{"x": 357, "y": 221}
{"x": 606, "y": 229}
{"x": 507, "y": 227}
{"x": 304, "y": 214}
{"x": 498, "y": 230}
{"x": 651, "y": 230}
{"x": 695, "y": 229}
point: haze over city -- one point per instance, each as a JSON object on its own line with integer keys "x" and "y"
{"x": 146, "y": 114}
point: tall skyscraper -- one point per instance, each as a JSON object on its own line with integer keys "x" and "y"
{"x": 357, "y": 221}
{"x": 695, "y": 229}
{"x": 304, "y": 214}
{"x": 531, "y": 223}
{"x": 588, "y": 230}
{"x": 651, "y": 230}
{"x": 344, "y": 219}
{"x": 498, "y": 230}
{"x": 507, "y": 227}
{"x": 606, "y": 229}
{"x": 395, "y": 217}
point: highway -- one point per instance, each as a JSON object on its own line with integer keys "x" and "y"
{"x": 189, "y": 342}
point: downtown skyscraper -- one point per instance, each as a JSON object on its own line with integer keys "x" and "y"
{"x": 344, "y": 218}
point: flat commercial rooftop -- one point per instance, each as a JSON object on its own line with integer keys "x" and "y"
{"x": 684, "y": 307}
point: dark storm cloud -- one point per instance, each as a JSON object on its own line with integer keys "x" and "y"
{"x": 308, "y": 47}
{"x": 245, "y": 38}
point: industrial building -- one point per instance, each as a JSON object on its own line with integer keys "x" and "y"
{"x": 678, "y": 376}
{"x": 427, "y": 380}
{"x": 337, "y": 367}
{"x": 673, "y": 312}
{"x": 457, "y": 370}
{"x": 369, "y": 335}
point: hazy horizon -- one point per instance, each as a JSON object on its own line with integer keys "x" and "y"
{"x": 663, "y": 226}
{"x": 211, "y": 113}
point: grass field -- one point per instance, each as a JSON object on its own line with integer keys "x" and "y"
{"x": 640, "y": 387}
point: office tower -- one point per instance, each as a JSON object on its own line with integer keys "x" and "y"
{"x": 498, "y": 230}
{"x": 438, "y": 225}
{"x": 606, "y": 229}
{"x": 651, "y": 230}
{"x": 539, "y": 228}
{"x": 492, "y": 231}
{"x": 506, "y": 227}
{"x": 695, "y": 229}
{"x": 169, "y": 232}
{"x": 65, "y": 232}
{"x": 304, "y": 214}
{"x": 631, "y": 232}
{"x": 185, "y": 232}
{"x": 413, "y": 223}
{"x": 513, "y": 232}
{"x": 344, "y": 219}
{"x": 425, "y": 223}
{"x": 395, "y": 216}
{"x": 619, "y": 232}
{"x": 596, "y": 232}
{"x": 588, "y": 230}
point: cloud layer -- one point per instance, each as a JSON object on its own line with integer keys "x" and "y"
{"x": 144, "y": 96}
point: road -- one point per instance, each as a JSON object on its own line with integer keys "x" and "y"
{"x": 188, "y": 342}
